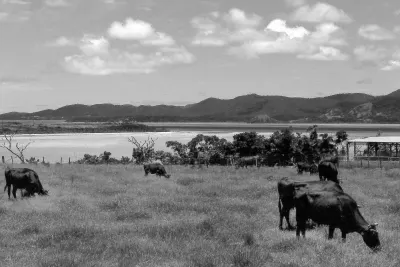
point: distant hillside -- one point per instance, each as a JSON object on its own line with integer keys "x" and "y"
{"x": 355, "y": 107}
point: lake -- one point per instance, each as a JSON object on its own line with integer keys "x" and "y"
{"x": 55, "y": 146}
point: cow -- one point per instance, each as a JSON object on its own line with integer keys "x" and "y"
{"x": 23, "y": 178}
{"x": 155, "y": 168}
{"x": 332, "y": 159}
{"x": 248, "y": 161}
{"x": 286, "y": 191}
{"x": 304, "y": 166}
{"x": 328, "y": 171}
{"x": 337, "y": 210}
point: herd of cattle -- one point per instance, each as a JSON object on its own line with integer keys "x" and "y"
{"x": 324, "y": 201}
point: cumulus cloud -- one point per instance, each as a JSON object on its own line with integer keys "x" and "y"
{"x": 392, "y": 65}
{"x": 326, "y": 53}
{"x": 371, "y": 54}
{"x": 320, "y": 12}
{"x": 239, "y": 18}
{"x": 295, "y": 3}
{"x": 56, "y": 3}
{"x": 98, "y": 57}
{"x": 62, "y": 41}
{"x": 250, "y": 40}
{"x": 375, "y": 32}
{"x": 139, "y": 30}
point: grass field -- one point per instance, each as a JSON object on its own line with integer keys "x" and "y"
{"x": 114, "y": 216}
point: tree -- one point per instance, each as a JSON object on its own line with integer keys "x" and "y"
{"x": 144, "y": 151}
{"x": 6, "y": 142}
{"x": 248, "y": 143}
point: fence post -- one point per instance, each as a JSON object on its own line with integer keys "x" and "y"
{"x": 12, "y": 160}
{"x": 43, "y": 159}
{"x": 380, "y": 162}
{"x": 69, "y": 160}
{"x": 361, "y": 163}
{"x": 368, "y": 160}
{"x": 2, "y": 159}
{"x": 61, "y": 160}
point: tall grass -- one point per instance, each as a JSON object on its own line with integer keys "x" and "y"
{"x": 220, "y": 216}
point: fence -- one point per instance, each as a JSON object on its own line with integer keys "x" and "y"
{"x": 370, "y": 162}
{"x": 4, "y": 160}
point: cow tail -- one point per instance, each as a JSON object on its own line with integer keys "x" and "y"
{"x": 7, "y": 180}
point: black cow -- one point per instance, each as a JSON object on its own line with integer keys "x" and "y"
{"x": 332, "y": 159}
{"x": 287, "y": 189}
{"x": 248, "y": 161}
{"x": 155, "y": 168}
{"x": 328, "y": 171}
{"x": 304, "y": 166}
{"x": 337, "y": 210}
{"x": 23, "y": 178}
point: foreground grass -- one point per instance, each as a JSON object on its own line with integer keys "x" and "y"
{"x": 114, "y": 216}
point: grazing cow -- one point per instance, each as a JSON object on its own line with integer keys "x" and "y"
{"x": 248, "y": 161}
{"x": 333, "y": 159}
{"x": 155, "y": 168}
{"x": 337, "y": 210}
{"x": 23, "y": 178}
{"x": 304, "y": 166}
{"x": 328, "y": 171}
{"x": 286, "y": 191}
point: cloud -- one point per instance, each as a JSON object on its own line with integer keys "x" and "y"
{"x": 392, "y": 65}
{"x": 16, "y": 2}
{"x": 3, "y": 16}
{"x": 295, "y": 3}
{"x": 374, "y": 32}
{"x": 320, "y": 12}
{"x": 56, "y": 3}
{"x": 396, "y": 29}
{"x": 239, "y": 19}
{"x": 98, "y": 57}
{"x": 326, "y": 53}
{"x": 22, "y": 84}
{"x": 62, "y": 41}
{"x": 249, "y": 40}
{"x": 371, "y": 54}
{"x": 139, "y": 30}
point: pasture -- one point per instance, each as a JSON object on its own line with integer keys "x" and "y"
{"x": 220, "y": 216}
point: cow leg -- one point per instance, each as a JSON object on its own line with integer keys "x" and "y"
{"x": 321, "y": 177}
{"x": 286, "y": 214}
{"x": 9, "y": 191}
{"x": 331, "y": 230}
{"x": 344, "y": 233}
{"x": 301, "y": 227}
{"x": 15, "y": 191}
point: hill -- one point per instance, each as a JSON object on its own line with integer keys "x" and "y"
{"x": 355, "y": 107}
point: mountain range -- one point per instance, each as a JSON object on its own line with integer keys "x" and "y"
{"x": 350, "y": 107}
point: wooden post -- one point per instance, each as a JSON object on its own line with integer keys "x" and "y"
{"x": 69, "y": 160}
{"x": 361, "y": 163}
{"x": 380, "y": 162}
{"x": 61, "y": 160}
{"x": 368, "y": 159}
{"x": 43, "y": 160}
{"x": 355, "y": 150}
{"x": 2, "y": 159}
{"x": 347, "y": 151}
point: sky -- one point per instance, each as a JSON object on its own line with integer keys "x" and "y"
{"x": 176, "y": 52}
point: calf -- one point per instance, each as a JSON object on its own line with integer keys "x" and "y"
{"x": 248, "y": 161}
{"x": 328, "y": 171}
{"x": 287, "y": 189}
{"x": 304, "y": 166}
{"x": 23, "y": 178}
{"x": 337, "y": 210}
{"x": 155, "y": 168}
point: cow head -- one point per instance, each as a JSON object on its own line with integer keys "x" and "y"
{"x": 371, "y": 237}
